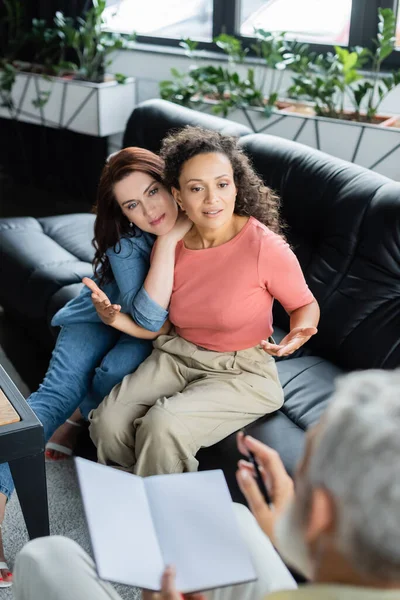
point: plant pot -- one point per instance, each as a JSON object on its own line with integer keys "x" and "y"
{"x": 98, "y": 109}
{"x": 376, "y": 147}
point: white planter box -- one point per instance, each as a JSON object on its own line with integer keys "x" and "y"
{"x": 98, "y": 109}
{"x": 372, "y": 146}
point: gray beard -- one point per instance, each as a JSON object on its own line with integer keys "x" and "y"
{"x": 291, "y": 544}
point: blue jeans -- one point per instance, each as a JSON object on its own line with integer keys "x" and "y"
{"x": 88, "y": 361}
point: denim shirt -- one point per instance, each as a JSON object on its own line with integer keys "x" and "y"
{"x": 130, "y": 263}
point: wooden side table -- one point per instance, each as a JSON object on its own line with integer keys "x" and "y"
{"x": 22, "y": 446}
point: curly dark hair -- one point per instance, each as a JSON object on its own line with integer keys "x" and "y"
{"x": 111, "y": 224}
{"x": 254, "y": 199}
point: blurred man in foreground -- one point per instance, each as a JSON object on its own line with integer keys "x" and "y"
{"x": 339, "y": 524}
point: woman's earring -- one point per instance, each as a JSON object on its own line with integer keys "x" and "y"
{"x": 130, "y": 224}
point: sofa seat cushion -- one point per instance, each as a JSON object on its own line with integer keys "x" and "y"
{"x": 38, "y": 257}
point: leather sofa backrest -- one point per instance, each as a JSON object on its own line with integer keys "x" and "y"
{"x": 150, "y": 122}
{"x": 344, "y": 225}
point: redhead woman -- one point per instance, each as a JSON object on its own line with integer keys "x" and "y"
{"x": 133, "y": 208}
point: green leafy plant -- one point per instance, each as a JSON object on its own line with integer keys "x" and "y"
{"x": 230, "y": 89}
{"x": 182, "y": 86}
{"x": 316, "y": 78}
{"x": 325, "y": 79}
{"x": 90, "y": 42}
{"x": 84, "y": 37}
{"x": 328, "y": 79}
{"x": 232, "y": 47}
{"x": 373, "y": 92}
{"x": 278, "y": 54}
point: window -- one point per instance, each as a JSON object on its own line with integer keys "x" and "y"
{"x": 318, "y": 21}
{"x": 161, "y": 18}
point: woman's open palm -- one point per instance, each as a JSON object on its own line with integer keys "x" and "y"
{"x": 291, "y": 342}
{"x": 106, "y": 311}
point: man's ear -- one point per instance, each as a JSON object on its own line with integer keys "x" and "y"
{"x": 177, "y": 197}
{"x": 321, "y": 516}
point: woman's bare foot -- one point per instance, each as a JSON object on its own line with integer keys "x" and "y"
{"x": 66, "y": 435}
{"x": 5, "y": 574}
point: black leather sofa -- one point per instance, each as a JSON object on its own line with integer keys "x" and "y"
{"x": 344, "y": 225}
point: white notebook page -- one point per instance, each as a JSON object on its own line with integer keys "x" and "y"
{"x": 121, "y": 529}
{"x": 197, "y": 530}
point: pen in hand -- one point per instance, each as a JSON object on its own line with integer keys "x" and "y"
{"x": 260, "y": 480}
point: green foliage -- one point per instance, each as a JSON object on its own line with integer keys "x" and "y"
{"x": 51, "y": 44}
{"x": 7, "y": 79}
{"x": 222, "y": 85}
{"x": 328, "y": 79}
{"x": 189, "y": 46}
{"x": 41, "y": 99}
{"x": 232, "y": 47}
{"x": 384, "y": 44}
{"x": 120, "y": 78}
{"x": 90, "y": 42}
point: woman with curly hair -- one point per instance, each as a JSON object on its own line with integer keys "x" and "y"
{"x": 214, "y": 373}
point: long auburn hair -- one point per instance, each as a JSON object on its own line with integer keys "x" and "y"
{"x": 111, "y": 224}
{"x": 253, "y": 198}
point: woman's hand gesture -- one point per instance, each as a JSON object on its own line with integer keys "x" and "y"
{"x": 106, "y": 311}
{"x": 291, "y": 342}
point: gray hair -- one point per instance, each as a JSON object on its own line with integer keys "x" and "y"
{"x": 356, "y": 458}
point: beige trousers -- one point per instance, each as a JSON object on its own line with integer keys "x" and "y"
{"x": 56, "y": 568}
{"x": 182, "y": 398}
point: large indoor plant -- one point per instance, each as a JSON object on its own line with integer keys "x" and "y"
{"x": 76, "y": 94}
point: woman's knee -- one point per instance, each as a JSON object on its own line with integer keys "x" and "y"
{"x": 109, "y": 424}
{"x": 157, "y": 423}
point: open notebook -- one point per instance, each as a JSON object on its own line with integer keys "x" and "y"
{"x": 139, "y": 525}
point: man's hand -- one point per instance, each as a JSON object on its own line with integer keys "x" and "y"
{"x": 106, "y": 311}
{"x": 277, "y": 481}
{"x": 291, "y": 342}
{"x": 168, "y": 589}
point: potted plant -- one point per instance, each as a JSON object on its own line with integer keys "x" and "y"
{"x": 334, "y": 80}
{"x": 226, "y": 90}
{"x": 315, "y": 109}
{"x": 78, "y": 94}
